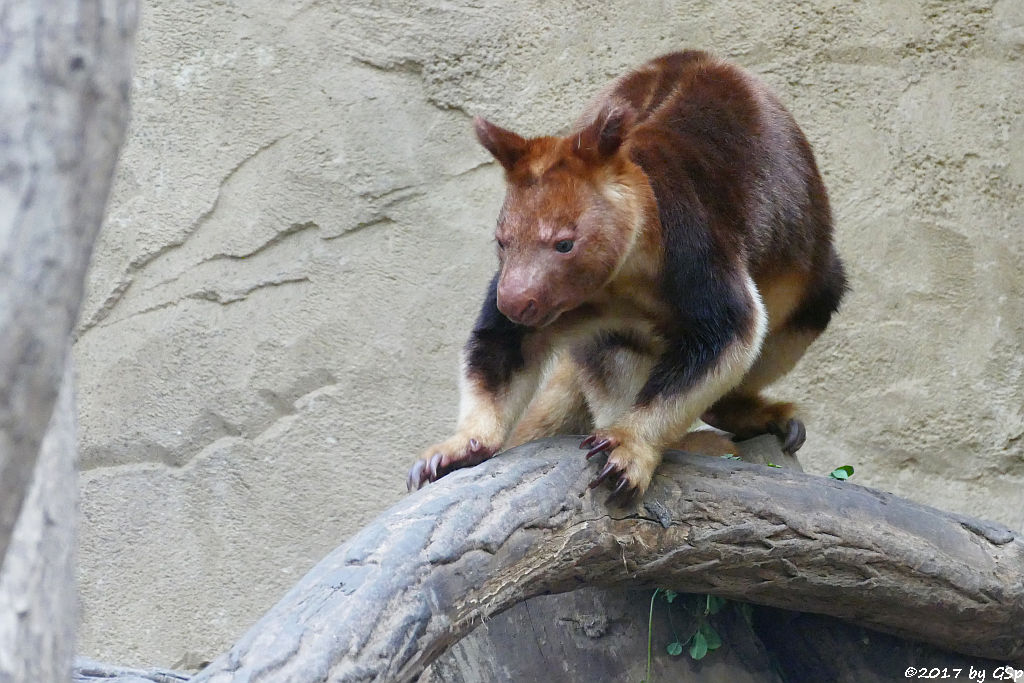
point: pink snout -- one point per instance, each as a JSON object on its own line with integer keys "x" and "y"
{"x": 519, "y": 306}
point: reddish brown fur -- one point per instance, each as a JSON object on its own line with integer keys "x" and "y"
{"x": 552, "y": 181}
{"x": 559, "y": 190}
{"x": 686, "y": 194}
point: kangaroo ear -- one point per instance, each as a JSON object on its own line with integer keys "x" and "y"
{"x": 603, "y": 137}
{"x": 506, "y": 146}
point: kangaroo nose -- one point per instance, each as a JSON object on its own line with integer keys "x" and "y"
{"x": 518, "y": 307}
{"x": 521, "y": 310}
{"x": 527, "y": 311}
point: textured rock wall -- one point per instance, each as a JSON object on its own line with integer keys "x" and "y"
{"x": 300, "y": 233}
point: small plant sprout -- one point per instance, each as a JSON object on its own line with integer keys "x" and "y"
{"x": 713, "y": 605}
{"x": 705, "y": 638}
{"x": 650, "y": 632}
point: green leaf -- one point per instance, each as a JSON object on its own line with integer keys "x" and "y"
{"x": 842, "y": 473}
{"x": 714, "y": 640}
{"x": 675, "y": 649}
{"x": 698, "y": 646}
{"x": 771, "y": 464}
{"x": 731, "y": 456}
{"x": 714, "y": 604}
{"x": 670, "y": 595}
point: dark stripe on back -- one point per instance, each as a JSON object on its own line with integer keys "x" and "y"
{"x": 702, "y": 284}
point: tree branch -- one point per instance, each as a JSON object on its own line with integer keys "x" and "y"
{"x": 385, "y": 604}
{"x": 64, "y": 77}
{"x": 64, "y": 81}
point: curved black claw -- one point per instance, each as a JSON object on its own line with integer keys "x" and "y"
{"x": 598, "y": 445}
{"x": 435, "y": 462}
{"x": 602, "y": 475}
{"x": 417, "y": 475}
{"x": 796, "y": 437}
{"x": 793, "y": 437}
{"x": 623, "y": 493}
{"x": 434, "y": 468}
{"x": 423, "y": 471}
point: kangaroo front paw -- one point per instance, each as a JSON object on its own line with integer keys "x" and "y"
{"x": 630, "y": 466}
{"x": 440, "y": 459}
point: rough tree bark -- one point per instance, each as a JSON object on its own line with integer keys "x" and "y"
{"x": 602, "y": 634}
{"x": 385, "y": 604}
{"x": 64, "y": 83}
{"x": 38, "y": 606}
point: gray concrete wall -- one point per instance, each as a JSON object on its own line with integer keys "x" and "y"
{"x": 301, "y": 230}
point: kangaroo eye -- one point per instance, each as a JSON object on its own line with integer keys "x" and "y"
{"x": 501, "y": 245}
{"x": 563, "y": 246}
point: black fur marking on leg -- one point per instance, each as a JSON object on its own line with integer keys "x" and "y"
{"x": 693, "y": 352}
{"x": 823, "y": 298}
{"x": 597, "y": 357}
{"x": 494, "y": 351}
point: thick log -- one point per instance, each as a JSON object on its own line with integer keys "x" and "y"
{"x": 602, "y": 634}
{"x": 64, "y": 82}
{"x": 385, "y": 604}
